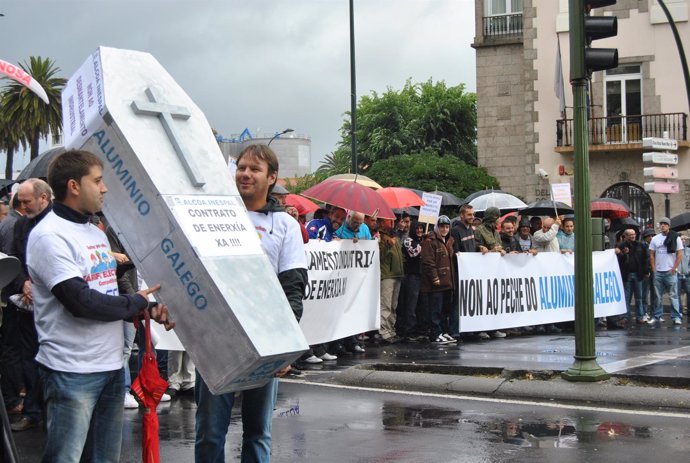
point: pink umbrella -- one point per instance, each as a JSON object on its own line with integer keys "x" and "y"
{"x": 303, "y": 205}
{"x": 352, "y": 196}
{"x": 400, "y": 198}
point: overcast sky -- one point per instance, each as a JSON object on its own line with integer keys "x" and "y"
{"x": 264, "y": 65}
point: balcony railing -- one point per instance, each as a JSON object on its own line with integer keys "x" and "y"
{"x": 626, "y": 129}
{"x": 504, "y": 26}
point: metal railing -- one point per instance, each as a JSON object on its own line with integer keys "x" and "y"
{"x": 503, "y": 26}
{"x": 626, "y": 129}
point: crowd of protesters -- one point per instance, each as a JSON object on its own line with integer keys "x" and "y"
{"x": 419, "y": 297}
{"x": 418, "y": 282}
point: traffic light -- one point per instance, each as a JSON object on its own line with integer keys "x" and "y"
{"x": 599, "y": 27}
{"x": 584, "y": 29}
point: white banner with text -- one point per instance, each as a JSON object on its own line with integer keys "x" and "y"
{"x": 496, "y": 292}
{"x": 342, "y": 295}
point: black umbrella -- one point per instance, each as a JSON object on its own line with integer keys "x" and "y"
{"x": 625, "y": 223}
{"x": 547, "y": 207}
{"x": 447, "y": 199}
{"x": 411, "y": 211}
{"x": 681, "y": 222}
{"x": 38, "y": 168}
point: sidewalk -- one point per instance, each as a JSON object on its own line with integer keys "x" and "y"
{"x": 650, "y": 367}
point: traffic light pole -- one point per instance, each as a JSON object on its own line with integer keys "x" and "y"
{"x": 585, "y": 367}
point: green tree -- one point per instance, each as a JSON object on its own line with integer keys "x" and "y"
{"x": 425, "y": 117}
{"x": 338, "y": 162}
{"x": 429, "y": 172}
{"x": 26, "y": 112}
{"x": 9, "y": 142}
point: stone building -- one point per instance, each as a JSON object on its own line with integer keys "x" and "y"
{"x": 525, "y": 141}
{"x": 293, "y": 150}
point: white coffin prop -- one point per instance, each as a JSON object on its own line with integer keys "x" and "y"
{"x": 179, "y": 215}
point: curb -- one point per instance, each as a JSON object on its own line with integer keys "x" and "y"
{"x": 551, "y": 386}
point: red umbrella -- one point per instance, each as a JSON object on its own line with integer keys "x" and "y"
{"x": 149, "y": 387}
{"x": 352, "y": 196}
{"x": 610, "y": 208}
{"x": 303, "y": 205}
{"x": 399, "y": 198}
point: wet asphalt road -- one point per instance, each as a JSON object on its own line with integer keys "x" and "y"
{"x": 319, "y": 423}
{"x": 337, "y": 424}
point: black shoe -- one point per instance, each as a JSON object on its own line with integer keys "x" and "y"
{"x": 172, "y": 392}
{"x": 294, "y": 371}
{"x": 25, "y": 423}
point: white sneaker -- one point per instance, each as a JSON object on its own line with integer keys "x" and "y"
{"x": 677, "y": 321}
{"x": 449, "y": 338}
{"x": 358, "y": 349}
{"x": 441, "y": 340}
{"x": 661, "y": 320}
{"x": 312, "y": 359}
{"x": 499, "y": 334}
{"x": 166, "y": 398}
{"x": 645, "y": 319}
{"x": 484, "y": 335}
{"x": 130, "y": 401}
{"x": 328, "y": 356}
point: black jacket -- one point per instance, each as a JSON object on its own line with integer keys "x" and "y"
{"x": 636, "y": 260}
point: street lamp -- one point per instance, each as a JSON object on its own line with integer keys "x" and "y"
{"x": 279, "y": 134}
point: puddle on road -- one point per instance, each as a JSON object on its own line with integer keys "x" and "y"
{"x": 566, "y": 433}
{"x": 396, "y": 415}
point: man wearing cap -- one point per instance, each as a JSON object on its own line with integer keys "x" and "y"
{"x": 665, "y": 255}
{"x": 438, "y": 279}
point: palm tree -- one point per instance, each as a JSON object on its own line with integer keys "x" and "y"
{"x": 24, "y": 109}
{"x": 9, "y": 141}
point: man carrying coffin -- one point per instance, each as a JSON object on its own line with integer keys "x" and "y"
{"x": 79, "y": 315}
{"x": 281, "y": 240}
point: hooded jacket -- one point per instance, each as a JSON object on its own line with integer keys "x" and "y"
{"x": 437, "y": 263}
{"x": 486, "y": 234}
{"x": 293, "y": 281}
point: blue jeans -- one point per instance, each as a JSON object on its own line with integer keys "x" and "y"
{"x": 633, "y": 285}
{"x": 130, "y": 333}
{"x": 84, "y": 412}
{"x": 213, "y": 419}
{"x": 663, "y": 281}
{"x": 683, "y": 287}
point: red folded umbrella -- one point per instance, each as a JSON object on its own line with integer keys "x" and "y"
{"x": 400, "y": 198}
{"x": 352, "y": 196}
{"x": 303, "y": 205}
{"x": 149, "y": 387}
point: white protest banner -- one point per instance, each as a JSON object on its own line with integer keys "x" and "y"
{"x": 561, "y": 192}
{"x": 496, "y": 292}
{"x": 342, "y": 295}
{"x": 428, "y": 213}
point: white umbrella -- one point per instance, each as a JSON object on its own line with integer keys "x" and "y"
{"x": 503, "y": 201}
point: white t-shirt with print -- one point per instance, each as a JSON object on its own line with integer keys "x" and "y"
{"x": 662, "y": 259}
{"x": 58, "y": 250}
{"x": 281, "y": 240}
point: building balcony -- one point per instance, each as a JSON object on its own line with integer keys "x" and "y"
{"x": 624, "y": 133}
{"x": 504, "y": 26}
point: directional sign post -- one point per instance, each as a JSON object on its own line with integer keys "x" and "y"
{"x": 664, "y": 173}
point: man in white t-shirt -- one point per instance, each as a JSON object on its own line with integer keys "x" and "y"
{"x": 281, "y": 240}
{"x": 79, "y": 316}
{"x": 665, "y": 255}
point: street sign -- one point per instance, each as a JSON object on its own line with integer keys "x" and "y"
{"x": 661, "y": 187}
{"x": 661, "y": 172}
{"x": 660, "y": 143}
{"x": 660, "y": 158}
